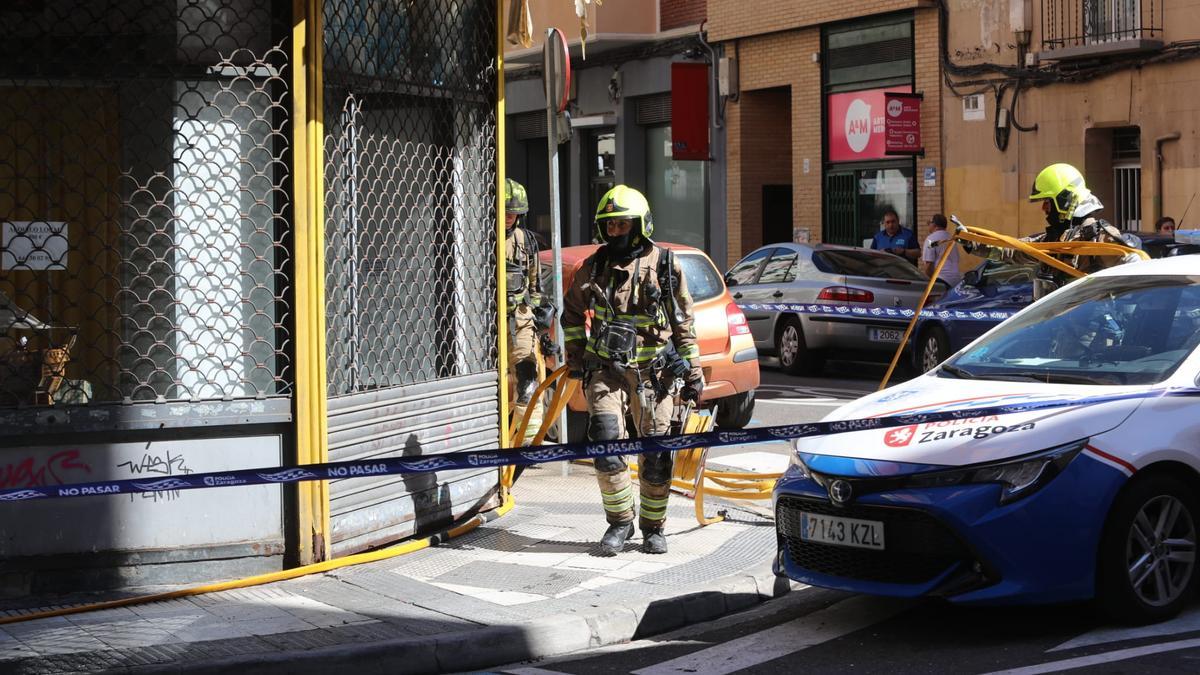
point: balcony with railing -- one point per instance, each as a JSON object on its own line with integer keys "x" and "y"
{"x": 1076, "y": 29}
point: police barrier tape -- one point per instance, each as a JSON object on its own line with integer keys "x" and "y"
{"x": 552, "y": 453}
{"x": 879, "y": 312}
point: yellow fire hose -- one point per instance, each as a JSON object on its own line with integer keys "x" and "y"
{"x": 283, "y": 575}
{"x": 1037, "y": 250}
{"x": 562, "y": 395}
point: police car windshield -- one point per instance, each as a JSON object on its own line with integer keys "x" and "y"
{"x": 1099, "y": 330}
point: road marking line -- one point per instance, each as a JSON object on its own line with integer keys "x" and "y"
{"x": 1105, "y": 657}
{"x": 827, "y": 624}
{"x": 1185, "y": 623}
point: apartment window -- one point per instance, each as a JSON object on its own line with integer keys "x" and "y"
{"x": 1082, "y": 28}
{"x": 1107, "y": 20}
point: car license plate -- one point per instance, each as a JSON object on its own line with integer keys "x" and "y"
{"x": 841, "y": 531}
{"x": 885, "y": 334}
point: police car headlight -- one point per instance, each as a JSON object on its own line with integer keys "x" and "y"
{"x": 1019, "y": 477}
{"x": 796, "y": 465}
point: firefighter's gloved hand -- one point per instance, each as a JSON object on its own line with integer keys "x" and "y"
{"x": 693, "y": 386}
{"x": 547, "y": 344}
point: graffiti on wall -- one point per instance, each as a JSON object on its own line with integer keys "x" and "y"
{"x": 157, "y": 464}
{"x": 33, "y": 470}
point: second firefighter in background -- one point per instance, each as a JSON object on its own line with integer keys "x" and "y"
{"x": 640, "y": 343}
{"x": 528, "y": 312}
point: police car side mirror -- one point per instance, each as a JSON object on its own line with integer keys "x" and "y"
{"x": 730, "y": 281}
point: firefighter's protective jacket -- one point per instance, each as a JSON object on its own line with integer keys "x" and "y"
{"x": 523, "y": 275}
{"x": 625, "y": 291}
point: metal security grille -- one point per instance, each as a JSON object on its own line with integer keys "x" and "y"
{"x": 410, "y": 222}
{"x": 410, "y": 96}
{"x": 1127, "y": 184}
{"x": 144, "y": 202}
{"x": 841, "y": 217}
{"x": 655, "y": 109}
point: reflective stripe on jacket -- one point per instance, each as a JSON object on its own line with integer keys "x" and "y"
{"x": 615, "y": 295}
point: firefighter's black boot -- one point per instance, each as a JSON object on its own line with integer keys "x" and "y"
{"x": 653, "y": 541}
{"x": 613, "y": 541}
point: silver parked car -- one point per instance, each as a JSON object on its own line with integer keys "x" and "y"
{"x": 824, "y": 274}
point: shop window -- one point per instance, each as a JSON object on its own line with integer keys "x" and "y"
{"x": 144, "y": 203}
{"x": 677, "y": 192}
{"x": 601, "y": 159}
{"x": 870, "y": 53}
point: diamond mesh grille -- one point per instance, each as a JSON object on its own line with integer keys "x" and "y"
{"x": 144, "y": 196}
{"x": 410, "y": 176}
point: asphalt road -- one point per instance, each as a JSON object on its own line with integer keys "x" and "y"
{"x": 785, "y": 399}
{"x": 820, "y": 631}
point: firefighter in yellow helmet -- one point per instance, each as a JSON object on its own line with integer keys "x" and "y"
{"x": 639, "y": 351}
{"x": 1073, "y": 214}
{"x": 529, "y": 313}
{"x": 1065, "y": 198}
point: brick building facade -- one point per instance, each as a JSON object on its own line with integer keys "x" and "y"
{"x": 777, "y": 119}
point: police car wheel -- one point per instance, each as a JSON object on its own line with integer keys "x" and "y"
{"x": 935, "y": 348}
{"x": 1147, "y": 559}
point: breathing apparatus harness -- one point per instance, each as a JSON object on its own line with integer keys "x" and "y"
{"x": 614, "y": 339}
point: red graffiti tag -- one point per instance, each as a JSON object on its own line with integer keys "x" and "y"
{"x": 36, "y": 471}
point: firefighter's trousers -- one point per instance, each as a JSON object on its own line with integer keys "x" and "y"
{"x": 523, "y": 369}
{"x": 609, "y": 396}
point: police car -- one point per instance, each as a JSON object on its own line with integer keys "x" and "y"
{"x": 1098, "y": 501}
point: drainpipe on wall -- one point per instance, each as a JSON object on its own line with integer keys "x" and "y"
{"x": 1158, "y": 171}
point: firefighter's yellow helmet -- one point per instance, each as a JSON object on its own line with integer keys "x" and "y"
{"x": 515, "y": 198}
{"x": 624, "y": 202}
{"x": 1063, "y": 185}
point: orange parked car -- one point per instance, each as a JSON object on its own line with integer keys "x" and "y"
{"x": 727, "y": 352}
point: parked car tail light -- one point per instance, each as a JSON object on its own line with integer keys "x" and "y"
{"x": 845, "y": 294}
{"x": 737, "y": 320}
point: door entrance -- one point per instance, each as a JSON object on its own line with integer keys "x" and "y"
{"x": 856, "y": 199}
{"x": 841, "y": 214}
{"x": 776, "y": 213}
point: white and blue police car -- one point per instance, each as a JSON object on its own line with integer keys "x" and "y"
{"x": 1093, "y": 501}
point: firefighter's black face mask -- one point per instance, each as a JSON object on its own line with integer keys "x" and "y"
{"x": 1054, "y": 222}
{"x": 620, "y": 235}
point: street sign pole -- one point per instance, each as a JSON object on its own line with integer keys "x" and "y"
{"x": 556, "y": 71}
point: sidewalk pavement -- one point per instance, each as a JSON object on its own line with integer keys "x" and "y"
{"x": 527, "y": 585}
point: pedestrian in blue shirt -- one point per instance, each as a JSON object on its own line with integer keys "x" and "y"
{"x": 895, "y": 239}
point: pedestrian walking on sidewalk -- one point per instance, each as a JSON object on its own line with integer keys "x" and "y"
{"x": 529, "y": 313}
{"x": 640, "y": 351}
